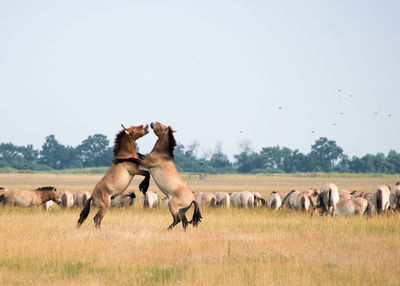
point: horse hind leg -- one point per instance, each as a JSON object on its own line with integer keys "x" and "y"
{"x": 174, "y": 213}
{"x": 103, "y": 206}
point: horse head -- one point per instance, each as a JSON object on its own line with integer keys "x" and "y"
{"x": 160, "y": 129}
{"x": 55, "y": 197}
{"x": 136, "y": 131}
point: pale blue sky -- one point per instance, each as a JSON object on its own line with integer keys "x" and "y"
{"x": 210, "y": 69}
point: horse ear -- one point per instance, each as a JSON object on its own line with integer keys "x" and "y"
{"x": 125, "y": 129}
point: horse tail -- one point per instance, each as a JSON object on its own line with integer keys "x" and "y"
{"x": 85, "y": 212}
{"x": 196, "y": 219}
{"x": 330, "y": 201}
{"x": 368, "y": 209}
{"x": 213, "y": 202}
{"x": 273, "y": 204}
{"x": 287, "y": 197}
{"x": 262, "y": 201}
{"x": 379, "y": 206}
{"x": 303, "y": 203}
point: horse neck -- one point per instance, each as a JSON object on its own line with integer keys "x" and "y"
{"x": 127, "y": 148}
{"x": 43, "y": 196}
{"x": 162, "y": 144}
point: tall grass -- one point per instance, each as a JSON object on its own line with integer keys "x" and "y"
{"x": 231, "y": 246}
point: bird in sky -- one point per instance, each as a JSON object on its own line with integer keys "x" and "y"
{"x": 376, "y": 113}
{"x": 334, "y": 124}
{"x": 280, "y": 107}
{"x": 341, "y": 113}
{"x": 389, "y": 115}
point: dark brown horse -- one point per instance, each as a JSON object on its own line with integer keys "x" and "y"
{"x": 160, "y": 163}
{"x": 120, "y": 174}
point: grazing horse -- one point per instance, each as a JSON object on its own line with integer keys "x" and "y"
{"x": 365, "y": 195}
{"x": 120, "y": 174}
{"x": 258, "y": 200}
{"x": 328, "y": 198}
{"x": 31, "y": 198}
{"x": 124, "y": 199}
{"x": 345, "y": 194}
{"x": 67, "y": 199}
{"x": 395, "y": 197}
{"x": 80, "y": 198}
{"x": 223, "y": 199}
{"x": 161, "y": 165}
{"x": 274, "y": 201}
{"x": 151, "y": 200}
{"x": 355, "y": 206}
{"x": 208, "y": 199}
{"x": 242, "y": 199}
{"x": 380, "y": 198}
{"x": 298, "y": 200}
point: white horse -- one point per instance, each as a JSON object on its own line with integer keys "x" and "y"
{"x": 124, "y": 199}
{"x": 223, "y": 199}
{"x": 243, "y": 199}
{"x": 208, "y": 199}
{"x": 258, "y": 200}
{"x": 80, "y": 198}
{"x": 150, "y": 200}
{"x": 67, "y": 199}
{"x": 274, "y": 201}
{"x": 328, "y": 198}
{"x": 394, "y": 198}
{"x": 380, "y": 198}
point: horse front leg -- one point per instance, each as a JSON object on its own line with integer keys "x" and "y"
{"x": 144, "y": 185}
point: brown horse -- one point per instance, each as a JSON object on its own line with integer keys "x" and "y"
{"x": 120, "y": 174}
{"x": 160, "y": 163}
{"x": 30, "y": 198}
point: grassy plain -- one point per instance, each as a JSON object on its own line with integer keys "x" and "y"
{"x": 231, "y": 246}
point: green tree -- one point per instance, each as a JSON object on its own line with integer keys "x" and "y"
{"x": 95, "y": 151}
{"x": 58, "y": 156}
{"x": 324, "y": 153}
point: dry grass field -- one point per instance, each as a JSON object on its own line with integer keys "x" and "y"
{"x": 230, "y": 247}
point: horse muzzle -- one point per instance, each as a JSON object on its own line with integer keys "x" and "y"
{"x": 152, "y": 125}
{"x": 58, "y": 202}
{"x": 146, "y": 129}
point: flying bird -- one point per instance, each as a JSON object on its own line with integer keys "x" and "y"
{"x": 341, "y": 113}
{"x": 280, "y": 107}
{"x": 350, "y": 95}
{"x": 334, "y": 124}
{"x": 389, "y": 115}
{"x": 376, "y": 113}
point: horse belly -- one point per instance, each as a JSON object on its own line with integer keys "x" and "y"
{"x": 167, "y": 185}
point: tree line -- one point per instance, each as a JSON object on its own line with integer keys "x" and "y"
{"x": 95, "y": 151}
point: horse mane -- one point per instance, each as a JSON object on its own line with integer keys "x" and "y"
{"x": 48, "y": 188}
{"x": 171, "y": 142}
{"x": 117, "y": 142}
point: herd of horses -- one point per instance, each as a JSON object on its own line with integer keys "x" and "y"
{"x": 111, "y": 190}
{"x": 328, "y": 200}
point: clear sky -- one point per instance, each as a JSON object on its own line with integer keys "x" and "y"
{"x": 216, "y": 71}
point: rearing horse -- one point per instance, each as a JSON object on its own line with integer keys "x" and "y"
{"x": 120, "y": 174}
{"x": 160, "y": 163}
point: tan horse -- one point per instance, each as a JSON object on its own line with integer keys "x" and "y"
{"x": 258, "y": 199}
{"x": 160, "y": 163}
{"x": 380, "y": 198}
{"x": 328, "y": 198}
{"x": 365, "y": 195}
{"x": 151, "y": 200}
{"x": 242, "y": 199}
{"x": 120, "y": 174}
{"x": 355, "y": 206}
{"x": 345, "y": 194}
{"x": 208, "y": 199}
{"x": 122, "y": 200}
{"x": 31, "y": 198}
{"x": 395, "y": 197}
{"x": 274, "y": 201}
{"x": 80, "y": 198}
{"x": 67, "y": 199}
{"x": 223, "y": 199}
